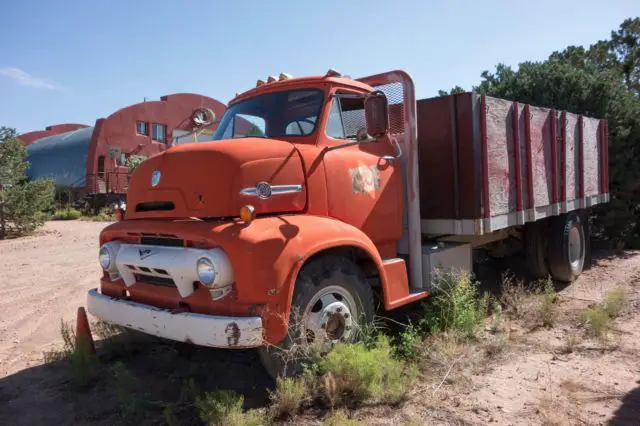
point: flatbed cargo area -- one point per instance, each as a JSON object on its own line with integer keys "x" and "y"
{"x": 486, "y": 164}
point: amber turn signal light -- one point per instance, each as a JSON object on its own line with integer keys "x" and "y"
{"x": 119, "y": 214}
{"x": 247, "y": 213}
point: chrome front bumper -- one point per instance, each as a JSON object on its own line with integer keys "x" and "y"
{"x": 199, "y": 329}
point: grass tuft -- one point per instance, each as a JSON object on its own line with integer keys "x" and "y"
{"x": 224, "y": 408}
{"x": 597, "y": 322}
{"x": 132, "y": 406}
{"x": 545, "y": 312}
{"x": 81, "y": 367}
{"x": 614, "y": 301}
{"x": 340, "y": 418}
{"x": 288, "y": 397}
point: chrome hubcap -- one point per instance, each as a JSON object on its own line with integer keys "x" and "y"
{"x": 575, "y": 248}
{"x": 328, "y": 318}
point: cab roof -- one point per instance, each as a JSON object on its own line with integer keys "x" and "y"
{"x": 301, "y": 82}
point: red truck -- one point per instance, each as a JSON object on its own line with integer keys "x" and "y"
{"x": 322, "y": 194}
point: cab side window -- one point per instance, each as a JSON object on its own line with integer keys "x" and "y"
{"x": 345, "y": 118}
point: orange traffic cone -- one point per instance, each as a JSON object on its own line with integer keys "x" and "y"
{"x": 84, "y": 340}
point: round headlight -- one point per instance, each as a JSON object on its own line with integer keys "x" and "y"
{"x": 105, "y": 257}
{"x": 206, "y": 271}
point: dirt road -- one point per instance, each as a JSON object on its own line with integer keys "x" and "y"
{"x": 43, "y": 279}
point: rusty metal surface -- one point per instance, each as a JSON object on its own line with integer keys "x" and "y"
{"x": 488, "y": 157}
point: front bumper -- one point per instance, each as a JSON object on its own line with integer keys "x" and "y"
{"x": 199, "y": 329}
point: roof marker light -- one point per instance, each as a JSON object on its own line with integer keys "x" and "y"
{"x": 260, "y": 83}
{"x": 332, "y": 73}
{"x": 284, "y": 76}
{"x": 271, "y": 79}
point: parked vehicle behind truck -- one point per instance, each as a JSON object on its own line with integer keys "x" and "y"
{"x": 320, "y": 195}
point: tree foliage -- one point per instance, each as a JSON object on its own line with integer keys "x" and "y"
{"x": 601, "y": 81}
{"x": 21, "y": 201}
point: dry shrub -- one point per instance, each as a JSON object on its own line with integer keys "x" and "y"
{"x": 288, "y": 397}
{"x": 81, "y": 366}
{"x": 571, "y": 343}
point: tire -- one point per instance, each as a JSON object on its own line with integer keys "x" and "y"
{"x": 567, "y": 247}
{"x": 331, "y": 297}
{"x": 536, "y": 248}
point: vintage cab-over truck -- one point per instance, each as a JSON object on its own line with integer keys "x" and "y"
{"x": 320, "y": 195}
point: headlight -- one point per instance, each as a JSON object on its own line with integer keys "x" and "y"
{"x": 206, "y": 271}
{"x": 104, "y": 257}
{"x": 107, "y": 256}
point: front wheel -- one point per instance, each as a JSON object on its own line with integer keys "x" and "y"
{"x": 331, "y": 300}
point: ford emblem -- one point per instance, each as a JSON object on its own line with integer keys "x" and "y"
{"x": 155, "y": 178}
{"x": 263, "y": 190}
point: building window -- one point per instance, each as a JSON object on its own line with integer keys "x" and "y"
{"x": 142, "y": 127}
{"x": 159, "y": 132}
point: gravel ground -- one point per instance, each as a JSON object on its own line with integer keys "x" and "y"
{"x": 43, "y": 280}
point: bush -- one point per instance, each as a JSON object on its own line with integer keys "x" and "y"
{"x": 614, "y": 301}
{"x": 597, "y": 322}
{"x": 288, "y": 397}
{"x": 355, "y": 373}
{"x": 456, "y": 305}
{"x": 67, "y": 214}
{"x": 224, "y": 408}
{"x": 20, "y": 201}
{"x": 134, "y": 161}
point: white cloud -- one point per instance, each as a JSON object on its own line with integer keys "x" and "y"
{"x": 25, "y": 79}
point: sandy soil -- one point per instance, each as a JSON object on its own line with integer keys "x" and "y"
{"x": 44, "y": 278}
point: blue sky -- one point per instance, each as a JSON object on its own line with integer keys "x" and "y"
{"x": 75, "y": 61}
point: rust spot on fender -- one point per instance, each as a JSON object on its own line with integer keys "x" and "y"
{"x": 232, "y": 331}
{"x": 364, "y": 179}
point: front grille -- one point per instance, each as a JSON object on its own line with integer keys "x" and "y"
{"x": 153, "y": 280}
{"x": 155, "y": 206}
{"x": 161, "y": 241}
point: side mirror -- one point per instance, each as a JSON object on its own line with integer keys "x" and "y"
{"x": 376, "y": 114}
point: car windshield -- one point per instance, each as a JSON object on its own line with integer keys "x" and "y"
{"x": 278, "y": 114}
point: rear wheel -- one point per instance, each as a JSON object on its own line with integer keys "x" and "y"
{"x": 331, "y": 299}
{"x": 536, "y": 248}
{"x": 567, "y": 247}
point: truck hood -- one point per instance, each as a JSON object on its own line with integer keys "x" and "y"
{"x": 215, "y": 179}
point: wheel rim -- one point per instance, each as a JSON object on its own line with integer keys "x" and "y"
{"x": 328, "y": 318}
{"x": 576, "y": 249}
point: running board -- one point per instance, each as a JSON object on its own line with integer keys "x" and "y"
{"x": 395, "y": 288}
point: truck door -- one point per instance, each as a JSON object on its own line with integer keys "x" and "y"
{"x": 364, "y": 189}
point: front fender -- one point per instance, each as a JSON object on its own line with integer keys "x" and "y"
{"x": 300, "y": 237}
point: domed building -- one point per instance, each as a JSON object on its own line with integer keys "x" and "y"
{"x": 93, "y": 160}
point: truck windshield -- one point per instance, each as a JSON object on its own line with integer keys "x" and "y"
{"x": 278, "y": 114}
